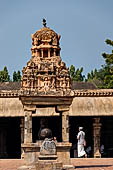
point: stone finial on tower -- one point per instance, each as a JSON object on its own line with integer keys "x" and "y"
{"x": 44, "y": 22}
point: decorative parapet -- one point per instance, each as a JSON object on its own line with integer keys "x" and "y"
{"x": 11, "y": 93}
{"x": 93, "y": 93}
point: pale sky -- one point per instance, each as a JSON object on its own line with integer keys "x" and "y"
{"x": 84, "y": 25}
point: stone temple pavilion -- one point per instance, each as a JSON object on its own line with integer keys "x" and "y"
{"x": 46, "y": 97}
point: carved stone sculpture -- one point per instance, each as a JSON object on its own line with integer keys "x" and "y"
{"x": 45, "y": 71}
{"x": 48, "y": 147}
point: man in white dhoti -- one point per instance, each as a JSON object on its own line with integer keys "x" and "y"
{"x": 81, "y": 143}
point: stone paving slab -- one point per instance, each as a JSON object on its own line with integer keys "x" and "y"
{"x": 93, "y": 163}
{"x": 79, "y": 163}
{"x": 10, "y": 164}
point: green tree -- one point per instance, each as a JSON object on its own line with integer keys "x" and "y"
{"x": 16, "y": 76}
{"x": 93, "y": 75}
{"x": 108, "y": 57}
{"x": 4, "y": 75}
{"x": 108, "y": 68}
{"x": 72, "y": 71}
{"x": 76, "y": 75}
{"x": 95, "y": 78}
{"x": 103, "y": 77}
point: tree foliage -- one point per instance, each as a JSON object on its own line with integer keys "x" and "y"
{"x": 4, "y": 75}
{"x": 108, "y": 57}
{"x": 103, "y": 77}
{"x": 16, "y": 76}
{"x": 76, "y": 75}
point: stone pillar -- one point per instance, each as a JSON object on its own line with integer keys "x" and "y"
{"x": 96, "y": 135}
{"x": 28, "y": 126}
{"x": 49, "y": 53}
{"x": 42, "y": 53}
{"x": 32, "y": 82}
{"x": 54, "y": 52}
{"x": 35, "y": 52}
{"x": 22, "y": 129}
{"x": 65, "y": 126}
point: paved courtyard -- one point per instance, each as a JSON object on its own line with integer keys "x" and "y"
{"x": 10, "y": 164}
{"x": 93, "y": 164}
{"x": 80, "y": 164}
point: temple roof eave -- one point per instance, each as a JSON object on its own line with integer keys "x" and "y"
{"x": 45, "y": 46}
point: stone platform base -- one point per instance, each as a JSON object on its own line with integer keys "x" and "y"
{"x": 47, "y": 165}
{"x": 32, "y": 152}
{"x": 43, "y": 165}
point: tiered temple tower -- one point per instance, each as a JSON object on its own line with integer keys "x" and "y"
{"x": 45, "y": 71}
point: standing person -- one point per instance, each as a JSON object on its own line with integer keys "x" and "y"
{"x": 81, "y": 143}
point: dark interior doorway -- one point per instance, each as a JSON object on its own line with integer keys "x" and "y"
{"x": 75, "y": 123}
{"x": 53, "y": 123}
{"x": 10, "y": 138}
{"x": 107, "y": 136}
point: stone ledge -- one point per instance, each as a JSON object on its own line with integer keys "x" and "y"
{"x": 68, "y": 167}
{"x": 38, "y": 144}
{"x": 48, "y": 157}
{"x": 32, "y": 167}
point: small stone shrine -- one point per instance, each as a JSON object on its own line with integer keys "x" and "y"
{"x": 45, "y": 86}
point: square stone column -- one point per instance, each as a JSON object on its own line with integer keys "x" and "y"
{"x": 28, "y": 126}
{"x": 65, "y": 126}
{"x": 96, "y": 135}
{"x": 22, "y": 129}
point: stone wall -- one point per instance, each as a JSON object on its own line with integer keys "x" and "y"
{"x": 81, "y": 106}
{"x": 91, "y": 106}
{"x": 11, "y": 107}
{"x": 46, "y": 111}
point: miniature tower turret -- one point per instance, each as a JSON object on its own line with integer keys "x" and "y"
{"x": 45, "y": 71}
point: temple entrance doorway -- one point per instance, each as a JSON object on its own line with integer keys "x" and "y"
{"x": 87, "y": 124}
{"x": 107, "y": 136}
{"x": 10, "y": 138}
{"x": 54, "y": 123}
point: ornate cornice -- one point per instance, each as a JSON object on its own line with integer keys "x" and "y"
{"x": 71, "y": 93}
{"x": 68, "y": 93}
